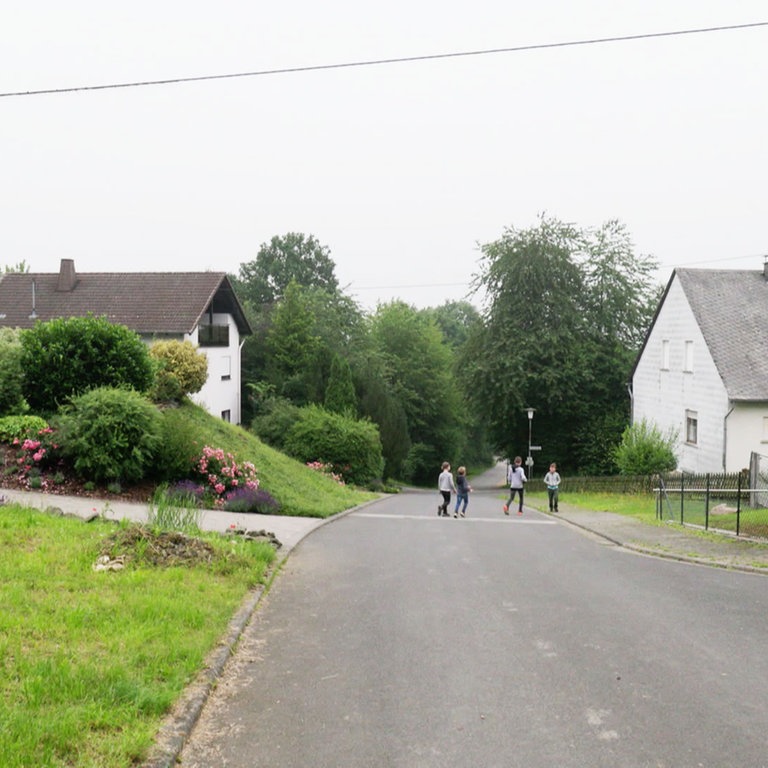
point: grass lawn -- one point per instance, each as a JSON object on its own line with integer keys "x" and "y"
{"x": 640, "y": 506}
{"x": 90, "y": 662}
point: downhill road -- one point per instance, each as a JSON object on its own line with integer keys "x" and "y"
{"x": 396, "y": 638}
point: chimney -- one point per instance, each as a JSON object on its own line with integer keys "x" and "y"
{"x": 67, "y": 277}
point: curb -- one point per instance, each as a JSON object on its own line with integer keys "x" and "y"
{"x": 179, "y": 724}
{"x": 648, "y": 551}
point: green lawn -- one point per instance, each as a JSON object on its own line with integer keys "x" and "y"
{"x": 91, "y": 662}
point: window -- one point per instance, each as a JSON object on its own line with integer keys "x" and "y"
{"x": 688, "y": 365}
{"x": 691, "y": 427}
{"x": 765, "y": 429}
{"x": 226, "y": 415}
{"x": 226, "y": 368}
{"x": 665, "y": 354}
{"x": 213, "y": 335}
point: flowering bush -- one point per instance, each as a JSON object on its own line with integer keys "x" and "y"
{"x": 34, "y": 454}
{"x": 327, "y": 469}
{"x": 220, "y": 473}
{"x": 250, "y": 500}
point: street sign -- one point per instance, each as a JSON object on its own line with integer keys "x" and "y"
{"x": 535, "y": 447}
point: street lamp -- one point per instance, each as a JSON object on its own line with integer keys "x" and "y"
{"x": 529, "y": 460}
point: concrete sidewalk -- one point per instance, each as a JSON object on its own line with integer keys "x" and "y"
{"x": 671, "y": 540}
{"x": 289, "y": 531}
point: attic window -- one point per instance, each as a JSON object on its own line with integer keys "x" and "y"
{"x": 688, "y": 364}
{"x": 665, "y": 355}
{"x": 692, "y": 427}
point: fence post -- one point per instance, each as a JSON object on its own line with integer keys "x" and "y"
{"x": 706, "y": 505}
{"x": 682, "y": 496}
{"x": 738, "y": 504}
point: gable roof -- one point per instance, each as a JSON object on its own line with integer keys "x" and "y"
{"x": 146, "y": 302}
{"x": 731, "y": 309}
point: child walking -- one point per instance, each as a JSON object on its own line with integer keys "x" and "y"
{"x": 462, "y": 491}
{"x": 516, "y": 479}
{"x": 445, "y": 486}
{"x": 552, "y": 481}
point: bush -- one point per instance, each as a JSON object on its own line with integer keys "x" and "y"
{"x": 423, "y": 464}
{"x": 220, "y": 473}
{"x": 65, "y": 357}
{"x": 250, "y": 500}
{"x": 12, "y": 376}
{"x": 276, "y": 419}
{"x": 644, "y": 450}
{"x": 111, "y": 435}
{"x": 351, "y": 446}
{"x": 181, "y": 370}
{"x": 180, "y": 448}
{"x": 19, "y": 427}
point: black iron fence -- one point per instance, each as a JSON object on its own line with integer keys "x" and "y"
{"x": 734, "y": 503}
{"x": 726, "y": 502}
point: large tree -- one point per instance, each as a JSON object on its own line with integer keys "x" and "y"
{"x": 565, "y": 310}
{"x": 291, "y": 257}
{"x": 419, "y": 369}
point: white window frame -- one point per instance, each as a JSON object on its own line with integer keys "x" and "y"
{"x": 688, "y": 358}
{"x": 692, "y": 427}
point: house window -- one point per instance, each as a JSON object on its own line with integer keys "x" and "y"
{"x": 226, "y": 415}
{"x": 213, "y": 335}
{"x": 665, "y": 354}
{"x": 226, "y": 368}
{"x": 691, "y": 427}
{"x": 688, "y": 365}
{"x": 765, "y": 429}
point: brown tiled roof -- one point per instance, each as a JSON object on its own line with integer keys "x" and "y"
{"x": 146, "y": 302}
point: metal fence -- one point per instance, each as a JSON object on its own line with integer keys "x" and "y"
{"x": 728, "y": 502}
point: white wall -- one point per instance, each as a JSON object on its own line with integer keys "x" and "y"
{"x": 663, "y": 396}
{"x": 747, "y": 431}
{"x": 220, "y": 394}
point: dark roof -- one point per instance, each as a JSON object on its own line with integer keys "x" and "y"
{"x": 146, "y": 302}
{"x": 731, "y": 309}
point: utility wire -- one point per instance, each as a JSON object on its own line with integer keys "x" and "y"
{"x": 400, "y": 60}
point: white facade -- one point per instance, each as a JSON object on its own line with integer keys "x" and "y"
{"x": 220, "y": 395}
{"x": 677, "y": 387}
{"x": 676, "y": 384}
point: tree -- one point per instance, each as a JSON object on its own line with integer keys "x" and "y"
{"x": 340, "y": 394}
{"x": 12, "y": 379}
{"x": 68, "y": 356}
{"x": 20, "y": 266}
{"x": 456, "y": 319}
{"x": 291, "y": 257}
{"x": 565, "y": 311}
{"x": 182, "y": 369}
{"x": 293, "y": 349}
{"x": 418, "y": 366}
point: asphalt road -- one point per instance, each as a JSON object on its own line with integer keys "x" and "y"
{"x": 396, "y": 638}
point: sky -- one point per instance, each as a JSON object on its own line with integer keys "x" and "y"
{"x": 402, "y": 170}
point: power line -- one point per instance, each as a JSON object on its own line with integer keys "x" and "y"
{"x": 399, "y": 60}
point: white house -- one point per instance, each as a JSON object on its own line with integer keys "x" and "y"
{"x": 197, "y": 306}
{"x": 702, "y": 371}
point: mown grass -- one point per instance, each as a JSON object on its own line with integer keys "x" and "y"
{"x": 639, "y": 506}
{"x": 91, "y": 662}
{"x": 300, "y": 491}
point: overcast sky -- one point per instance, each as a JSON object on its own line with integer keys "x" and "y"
{"x": 400, "y": 169}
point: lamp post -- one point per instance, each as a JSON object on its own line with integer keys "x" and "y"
{"x": 529, "y": 460}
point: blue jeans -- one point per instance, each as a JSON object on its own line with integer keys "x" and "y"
{"x": 459, "y": 498}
